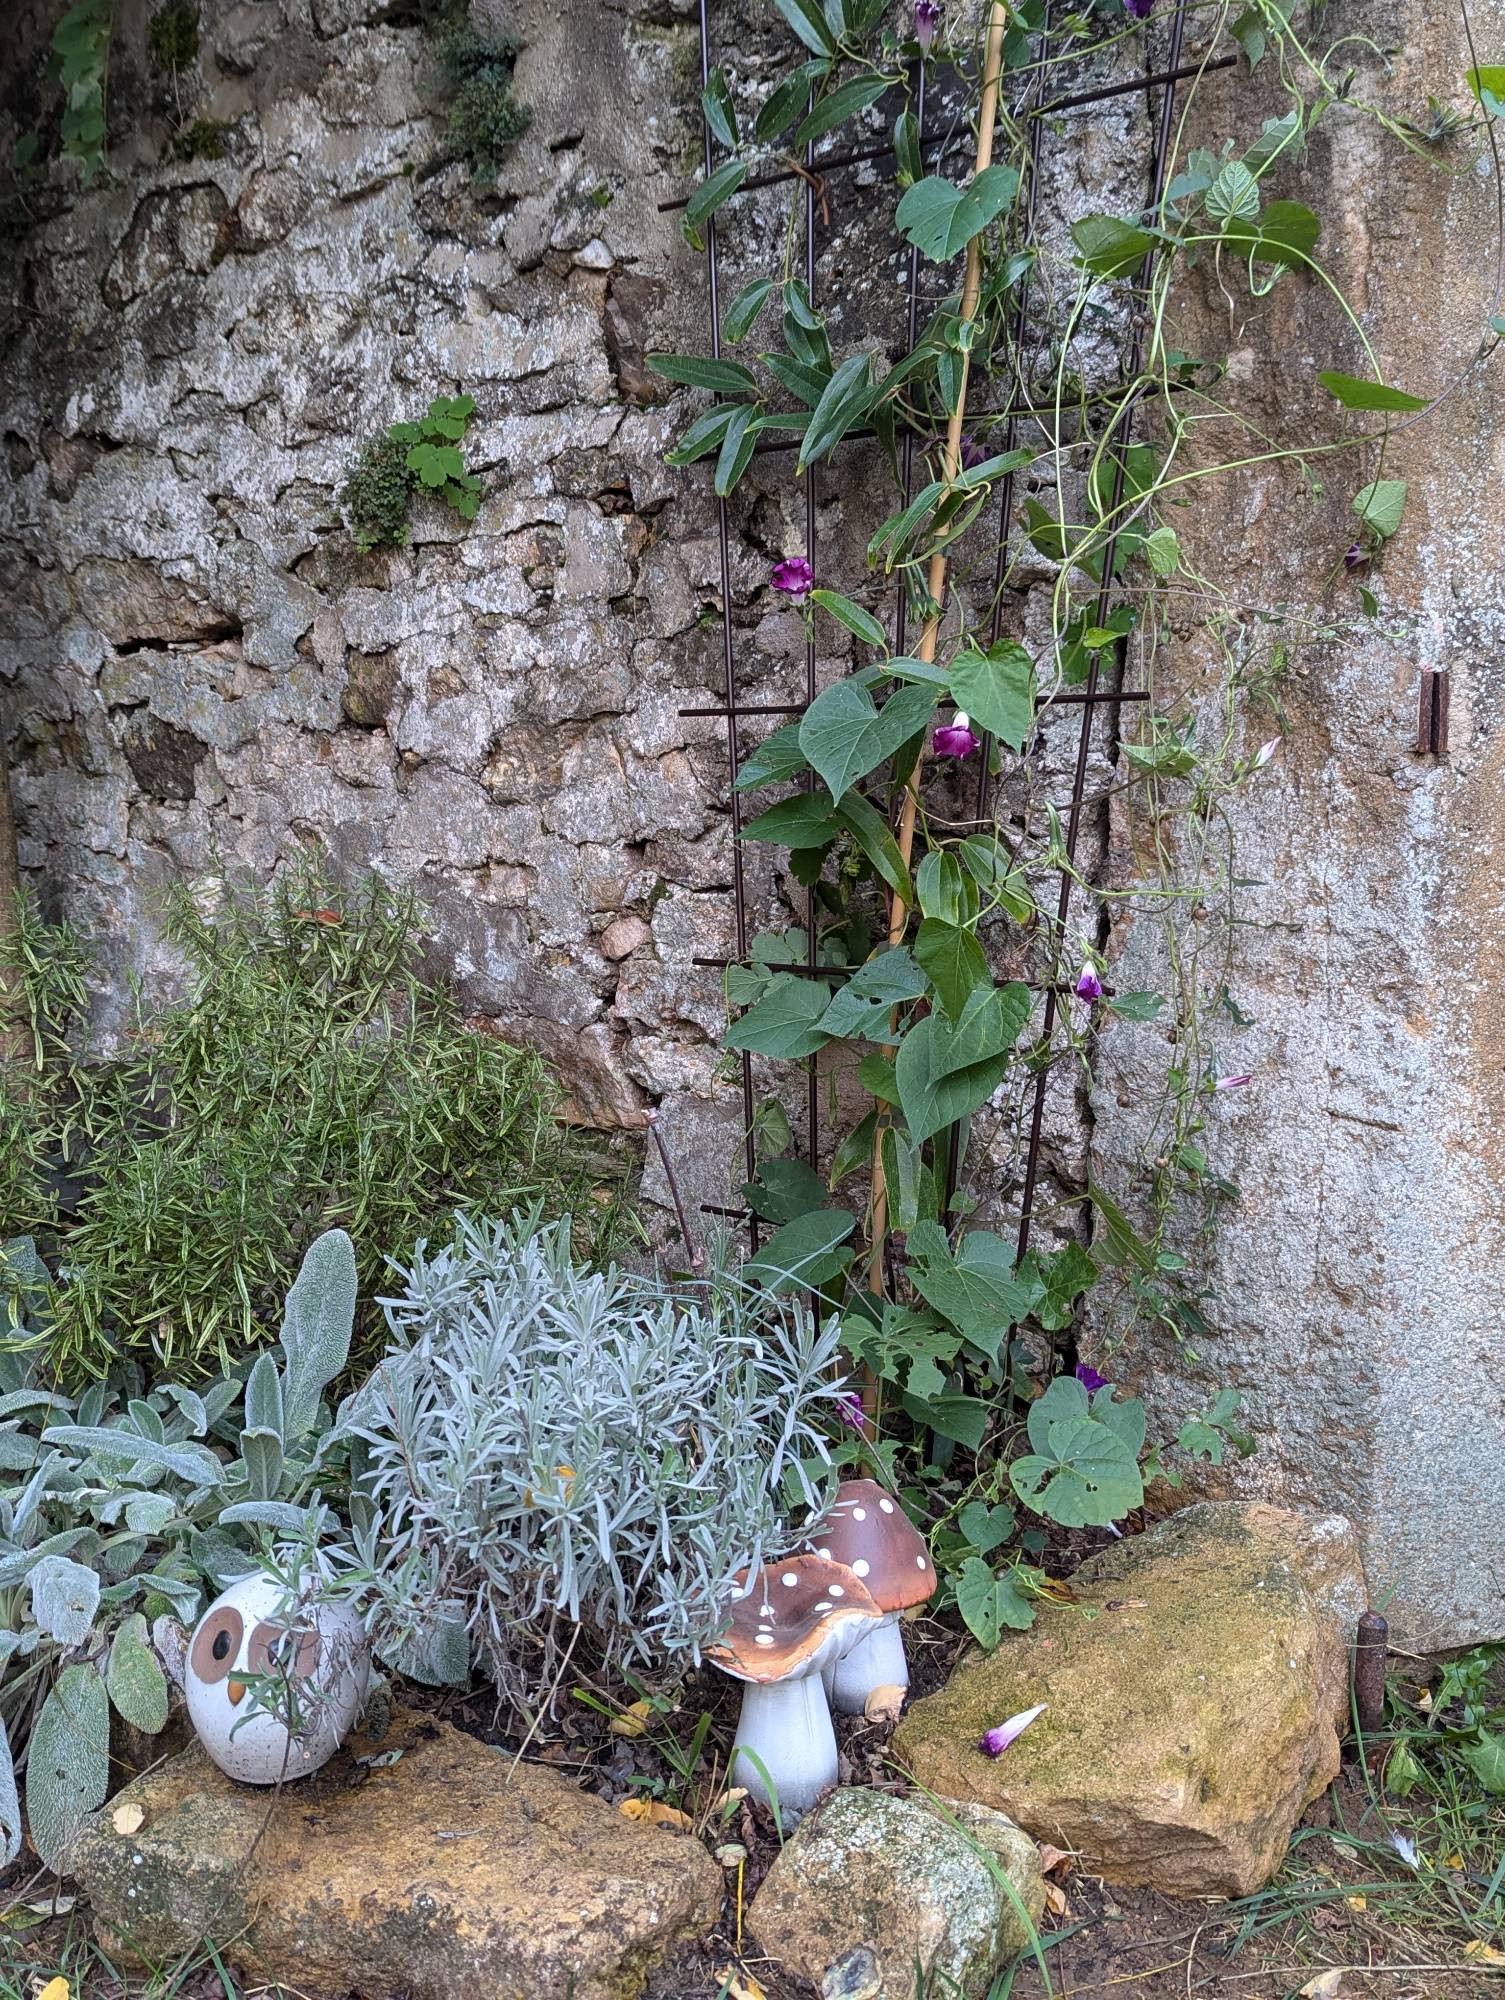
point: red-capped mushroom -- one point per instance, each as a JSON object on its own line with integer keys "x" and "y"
{"x": 794, "y": 1617}
{"x": 868, "y": 1532}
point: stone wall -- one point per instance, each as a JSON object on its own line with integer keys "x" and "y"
{"x": 200, "y": 674}
{"x": 1358, "y": 1285}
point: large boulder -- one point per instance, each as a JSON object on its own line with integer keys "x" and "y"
{"x": 944, "y": 1885}
{"x": 1197, "y": 1691}
{"x": 437, "y": 1872}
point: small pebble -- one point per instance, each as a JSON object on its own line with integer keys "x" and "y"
{"x": 856, "y": 1975}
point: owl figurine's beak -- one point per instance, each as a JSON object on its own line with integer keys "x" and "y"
{"x": 236, "y": 1691}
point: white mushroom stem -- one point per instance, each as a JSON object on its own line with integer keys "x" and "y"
{"x": 874, "y": 1662}
{"x": 787, "y": 1727}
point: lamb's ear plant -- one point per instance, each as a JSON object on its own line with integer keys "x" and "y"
{"x": 555, "y": 1463}
{"x": 121, "y": 1513}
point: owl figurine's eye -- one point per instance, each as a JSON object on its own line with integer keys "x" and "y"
{"x": 276, "y": 1650}
{"x": 216, "y": 1644}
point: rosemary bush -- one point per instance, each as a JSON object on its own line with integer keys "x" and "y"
{"x": 553, "y": 1457}
{"x": 310, "y": 1077}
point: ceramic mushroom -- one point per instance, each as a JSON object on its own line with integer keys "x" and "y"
{"x": 796, "y": 1616}
{"x": 309, "y": 1659}
{"x": 867, "y": 1532}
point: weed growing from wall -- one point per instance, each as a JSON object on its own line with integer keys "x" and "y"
{"x": 425, "y": 456}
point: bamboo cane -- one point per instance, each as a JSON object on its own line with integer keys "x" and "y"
{"x": 898, "y": 914}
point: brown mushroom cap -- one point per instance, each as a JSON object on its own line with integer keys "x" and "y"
{"x": 868, "y": 1531}
{"x": 797, "y": 1613}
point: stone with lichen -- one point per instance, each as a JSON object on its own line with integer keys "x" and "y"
{"x": 1196, "y": 1689}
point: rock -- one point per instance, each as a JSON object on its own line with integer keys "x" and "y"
{"x": 623, "y": 936}
{"x": 163, "y": 759}
{"x": 868, "y": 1884}
{"x": 371, "y": 684}
{"x": 428, "y": 1876}
{"x": 1192, "y": 1717}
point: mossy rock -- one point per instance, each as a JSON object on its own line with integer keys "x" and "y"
{"x": 945, "y": 1885}
{"x": 1197, "y": 1689}
{"x": 440, "y": 1871}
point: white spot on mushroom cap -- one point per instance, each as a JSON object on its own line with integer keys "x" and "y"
{"x": 789, "y": 1579}
{"x": 919, "y": 1562}
{"x": 859, "y": 1568}
{"x": 887, "y": 1506}
{"x": 859, "y": 1513}
{"x": 823, "y": 1607}
{"x": 824, "y": 1554}
{"x": 763, "y": 1639}
{"x": 836, "y": 1591}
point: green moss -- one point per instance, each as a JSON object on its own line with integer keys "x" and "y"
{"x": 485, "y": 117}
{"x": 172, "y": 42}
{"x": 375, "y": 496}
{"x": 204, "y": 139}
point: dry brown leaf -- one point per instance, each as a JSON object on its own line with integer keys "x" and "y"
{"x": 1055, "y": 1861}
{"x": 884, "y": 1704}
{"x": 1055, "y": 1899}
{"x": 1326, "y": 1986}
{"x": 728, "y": 1803}
{"x": 1482, "y": 1953}
{"x": 739, "y": 1985}
{"x": 128, "y": 1818}
{"x": 634, "y": 1720}
{"x": 1357, "y": 1902}
{"x": 648, "y": 1812}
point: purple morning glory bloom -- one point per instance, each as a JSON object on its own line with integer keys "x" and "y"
{"x": 996, "y": 1741}
{"x": 972, "y": 452}
{"x": 955, "y": 738}
{"x": 849, "y": 1409}
{"x": 1355, "y": 556}
{"x": 1089, "y": 986}
{"x": 795, "y": 578}
{"x": 1139, "y": 10}
{"x": 1233, "y": 1082}
{"x": 927, "y": 18}
{"x": 1089, "y": 1378}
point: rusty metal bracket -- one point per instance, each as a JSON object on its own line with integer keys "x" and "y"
{"x": 1432, "y": 713}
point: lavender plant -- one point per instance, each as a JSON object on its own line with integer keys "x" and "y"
{"x": 554, "y": 1458}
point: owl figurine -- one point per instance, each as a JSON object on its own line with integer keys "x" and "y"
{"x": 273, "y": 1684}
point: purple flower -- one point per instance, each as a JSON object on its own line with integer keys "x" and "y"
{"x": 996, "y": 1741}
{"x": 955, "y": 738}
{"x": 973, "y": 453}
{"x": 849, "y": 1409}
{"x": 1139, "y": 10}
{"x": 1233, "y": 1082}
{"x": 795, "y": 578}
{"x": 927, "y": 18}
{"x": 1265, "y": 752}
{"x": 1089, "y": 986}
{"x": 1089, "y": 1378}
{"x": 1355, "y": 556}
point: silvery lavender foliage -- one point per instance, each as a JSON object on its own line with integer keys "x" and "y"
{"x": 551, "y": 1455}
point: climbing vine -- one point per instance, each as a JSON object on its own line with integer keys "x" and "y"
{"x": 939, "y": 971}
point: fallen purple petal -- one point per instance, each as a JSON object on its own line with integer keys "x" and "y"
{"x": 795, "y": 578}
{"x": 1139, "y": 10}
{"x": 996, "y": 1741}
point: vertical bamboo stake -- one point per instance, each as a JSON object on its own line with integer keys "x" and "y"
{"x": 898, "y": 913}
